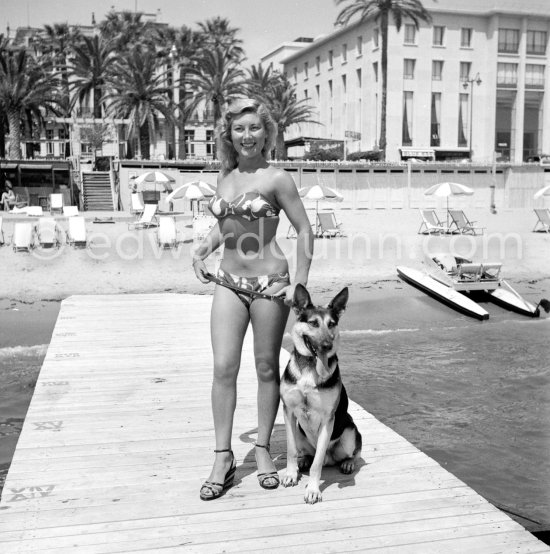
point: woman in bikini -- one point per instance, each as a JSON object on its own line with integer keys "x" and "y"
{"x": 249, "y": 197}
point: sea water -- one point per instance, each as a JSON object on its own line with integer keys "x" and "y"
{"x": 472, "y": 395}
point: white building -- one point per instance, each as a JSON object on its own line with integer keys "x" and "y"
{"x": 471, "y": 83}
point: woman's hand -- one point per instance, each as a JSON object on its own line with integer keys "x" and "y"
{"x": 200, "y": 270}
{"x": 287, "y": 293}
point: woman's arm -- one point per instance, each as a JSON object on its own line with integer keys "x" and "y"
{"x": 291, "y": 203}
{"x": 210, "y": 243}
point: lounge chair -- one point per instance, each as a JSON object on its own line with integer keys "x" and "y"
{"x": 202, "y": 225}
{"x": 137, "y": 204}
{"x": 543, "y": 223}
{"x": 490, "y": 271}
{"x": 147, "y": 219}
{"x": 1, "y": 233}
{"x": 470, "y": 272}
{"x": 70, "y": 211}
{"x": 167, "y": 234}
{"x": 23, "y": 236}
{"x": 462, "y": 225}
{"x": 48, "y": 232}
{"x": 431, "y": 224}
{"x": 76, "y": 233}
{"x": 56, "y": 203}
{"x": 327, "y": 225}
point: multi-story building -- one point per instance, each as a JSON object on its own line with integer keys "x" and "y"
{"x": 474, "y": 83}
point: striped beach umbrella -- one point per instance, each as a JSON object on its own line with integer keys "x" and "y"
{"x": 155, "y": 178}
{"x": 544, "y": 191}
{"x": 448, "y": 189}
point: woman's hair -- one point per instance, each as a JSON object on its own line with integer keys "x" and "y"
{"x": 226, "y": 151}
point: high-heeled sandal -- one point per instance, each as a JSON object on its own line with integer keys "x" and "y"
{"x": 211, "y": 490}
{"x": 264, "y": 478}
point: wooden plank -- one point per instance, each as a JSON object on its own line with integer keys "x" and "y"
{"x": 118, "y": 439}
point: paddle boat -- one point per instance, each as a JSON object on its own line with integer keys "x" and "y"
{"x": 451, "y": 279}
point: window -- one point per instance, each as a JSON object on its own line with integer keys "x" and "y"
{"x": 508, "y": 41}
{"x": 407, "y": 131}
{"x": 359, "y": 46}
{"x": 465, "y": 68}
{"x": 295, "y": 73}
{"x": 344, "y": 53}
{"x": 410, "y": 34}
{"x": 49, "y": 145}
{"x": 376, "y": 37}
{"x": 306, "y": 70}
{"x": 344, "y": 85}
{"x": 534, "y": 76}
{"x": 189, "y": 137}
{"x": 437, "y": 70}
{"x": 209, "y": 142}
{"x": 507, "y": 75}
{"x": 317, "y": 93}
{"x": 462, "y": 119}
{"x": 330, "y": 59}
{"x": 435, "y": 138}
{"x": 375, "y": 71}
{"x": 306, "y": 94}
{"x": 439, "y": 35}
{"x": 408, "y": 69}
{"x": 536, "y": 42}
{"x": 466, "y": 37}
{"x": 318, "y": 65}
{"x": 359, "y": 78}
{"x": 330, "y": 89}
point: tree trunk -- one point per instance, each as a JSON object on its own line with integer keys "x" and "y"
{"x": 384, "y": 73}
{"x": 280, "y": 148}
{"x": 144, "y": 141}
{"x": 97, "y": 102}
{"x": 14, "y": 151}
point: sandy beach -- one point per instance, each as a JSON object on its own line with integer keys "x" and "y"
{"x": 120, "y": 260}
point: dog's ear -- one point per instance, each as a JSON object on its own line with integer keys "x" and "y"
{"x": 339, "y": 302}
{"x": 301, "y": 299}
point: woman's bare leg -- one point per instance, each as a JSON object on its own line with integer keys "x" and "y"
{"x": 268, "y": 323}
{"x": 228, "y": 323}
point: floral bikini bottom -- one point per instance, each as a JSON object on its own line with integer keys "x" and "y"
{"x": 254, "y": 284}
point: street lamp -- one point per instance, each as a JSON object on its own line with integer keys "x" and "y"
{"x": 470, "y": 83}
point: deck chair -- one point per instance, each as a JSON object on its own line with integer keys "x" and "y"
{"x": 202, "y": 225}
{"x": 147, "y": 219}
{"x": 70, "y": 211}
{"x": 470, "y": 272}
{"x": 327, "y": 225}
{"x": 167, "y": 234}
{"x": 1, "y": 233}
{"x": 23, "y": 236}
{"x": 48, "y": 232}
{"x": 431, "y": 224}
{"x": 543, "y": 223}
{"x": 56, "y": 203}
{"x": 462, "y": 225}
{"x": 490, "y": 271}
{"x": 76, "y": 233}
{"x": 137, "y": 206}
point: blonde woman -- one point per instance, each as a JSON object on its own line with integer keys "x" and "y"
{"x": 250, "y": 195}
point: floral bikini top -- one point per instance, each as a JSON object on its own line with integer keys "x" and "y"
{"x": 249, "y": 205}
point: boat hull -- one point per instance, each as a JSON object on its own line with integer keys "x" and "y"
{"x": 507, "y": 299}
{"x": 442, "y": 292}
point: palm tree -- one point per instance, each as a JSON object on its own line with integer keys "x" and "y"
{"x": 89, "y": 66}
{"x": 139, "y": 92}
{"x": 216, "y": 79}
{"x": 126, "y": 29}
{"x": 260, "y": 80}
{"x": 27, "y": 93}
{"x": 218, "y": 33}
{"x": 380, "y": 11}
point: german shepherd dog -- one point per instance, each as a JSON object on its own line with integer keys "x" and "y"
{"x": 319, "y": 429}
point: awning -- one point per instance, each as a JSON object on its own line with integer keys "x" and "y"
{"x": 8, "y": 166}
{"x": 35, "y": 167}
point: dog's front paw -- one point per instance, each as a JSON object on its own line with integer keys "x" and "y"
{"x": 347, "y": 466}
{"x": 290, "y": 478}
{"x": 313, "y": 494}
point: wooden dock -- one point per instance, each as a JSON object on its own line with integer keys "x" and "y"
{"x": 119, "y": 437}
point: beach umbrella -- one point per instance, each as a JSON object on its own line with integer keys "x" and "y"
{"x": 544, "y": 191}
{"x": 194, "y": 190}
{"x": 448, "y": 189}
{"x": 156, "y": 178}
{"x": 319, "y": 193}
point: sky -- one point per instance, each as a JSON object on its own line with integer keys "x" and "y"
{"x": 263, "y": 24}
